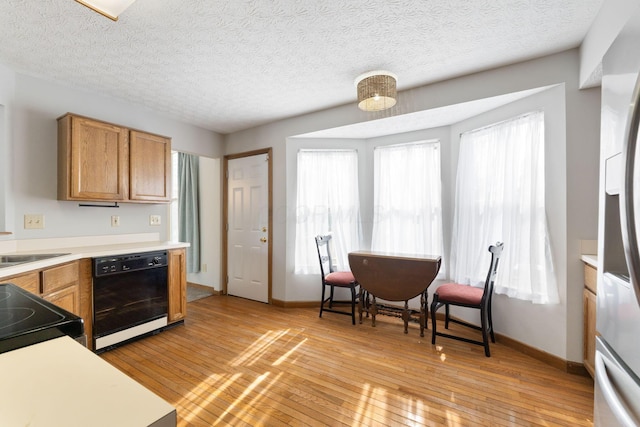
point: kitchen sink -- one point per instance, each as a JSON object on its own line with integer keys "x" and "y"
{"x": 15, "y": 259}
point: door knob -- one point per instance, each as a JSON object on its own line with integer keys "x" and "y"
{"x": 264, "y": 229}
{"x": 263, "y": 239}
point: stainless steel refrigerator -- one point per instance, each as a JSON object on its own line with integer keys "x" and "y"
{"x": 617, "y": 381}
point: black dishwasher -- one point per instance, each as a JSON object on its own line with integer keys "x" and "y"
{"x": 129, "y": 297}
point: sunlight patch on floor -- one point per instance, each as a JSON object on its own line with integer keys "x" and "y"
{"x": 258, "y": 348}
{"x": 453, "y": 419}
{"x": 216, "y": 387}
{"x": 240, "y": 398}
{"x": 218, "y": 384}
{"x": 285, "y": 356}
{"x": 261, "y": 395}
{"x": 367, "y": 411}
{"x": 414, "y": 410}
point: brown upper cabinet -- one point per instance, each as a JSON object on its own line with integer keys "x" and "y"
{"x": 100, "y": 161}
{"x": 149, "y": 167}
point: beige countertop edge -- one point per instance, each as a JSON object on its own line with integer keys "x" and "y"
{"x": 86, "y": 252}
{"x": 590, "y": 259}
{"x": 59, "y": 382}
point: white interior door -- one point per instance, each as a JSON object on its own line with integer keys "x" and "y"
{"x": 247, "y": 232}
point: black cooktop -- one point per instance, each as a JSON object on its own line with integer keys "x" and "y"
{"x": 27, "y": 319}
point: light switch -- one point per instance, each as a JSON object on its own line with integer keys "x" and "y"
{"x": 33, "y": 221}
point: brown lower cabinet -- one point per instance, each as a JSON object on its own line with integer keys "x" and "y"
{"x": 589, "y": 316}
{"x": 70, "y": 287}
{"x": 61, "y": 286}
{"x": 28, "y": 281}
{"x": 177, "y": 283}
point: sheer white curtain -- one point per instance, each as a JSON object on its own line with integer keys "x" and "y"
{"x": 500, "y": 197}
{"x": 408, "y": 199}
{"x": 327, "y": 202}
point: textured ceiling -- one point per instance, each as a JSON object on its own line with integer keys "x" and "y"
{"x": 228, "y": 65}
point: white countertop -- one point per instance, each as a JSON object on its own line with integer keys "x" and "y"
{"x": 60, "y": 383}
{"x": 89, "y": 251}
{"x": 590, "y": 259}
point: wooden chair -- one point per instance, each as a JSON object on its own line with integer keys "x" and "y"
{"x": 334, "y": 279}
{"x": 472, "y": 297}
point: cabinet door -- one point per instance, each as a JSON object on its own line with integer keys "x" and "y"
{"x": 177, "y": 285}
{"x": 589, "y": 338}
{"x": 93, "y": 155}
{"x": 59, "y": 277}
{"x": 30, "y": 282}
{"x": 150, "y": 167}
{"x": 67, "y": 298}
{"x": 60, "y": 285}
{"x": 85, "y": 285}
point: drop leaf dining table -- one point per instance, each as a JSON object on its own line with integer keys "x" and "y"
{"x": 393, "y": 277}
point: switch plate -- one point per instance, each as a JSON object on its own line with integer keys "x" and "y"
{"x": 115, "y": 221}
{"x": 155, "y": 220}
{"x": 33, "y": 221}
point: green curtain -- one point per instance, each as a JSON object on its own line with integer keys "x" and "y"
{"x": 188, "y": 208}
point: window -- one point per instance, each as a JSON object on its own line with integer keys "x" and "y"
{"x": 327, "y": 202}
{"x": 500, "y": 196}
{"x": 408, "y": 199}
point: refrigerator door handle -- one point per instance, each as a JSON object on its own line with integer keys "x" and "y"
{"x": 608, "y": 388}
{"x": 627, "y": 214}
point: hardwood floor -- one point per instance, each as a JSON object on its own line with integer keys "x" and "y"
{"x": 238, "y": 362}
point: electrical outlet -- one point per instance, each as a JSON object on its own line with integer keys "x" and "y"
{"x": 155, "y": 220}
{"x": 32, "y": 221}
{"x": 115, "y": 221}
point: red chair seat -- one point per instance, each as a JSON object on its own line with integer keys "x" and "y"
{"x": 461, "y": 294}
{"x": 340, "y": 278}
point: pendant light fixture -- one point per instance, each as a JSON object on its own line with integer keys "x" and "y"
{"x": 376, "y": 90}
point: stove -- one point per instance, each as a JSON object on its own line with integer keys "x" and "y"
{"x": 27, "y": 319}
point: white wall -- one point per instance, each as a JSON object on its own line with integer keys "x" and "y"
{"x": 37, "y": 104}
{"x": 613, "y": 15}
{"x": 582, "y": 110}
{"x": 7, "y": 89}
